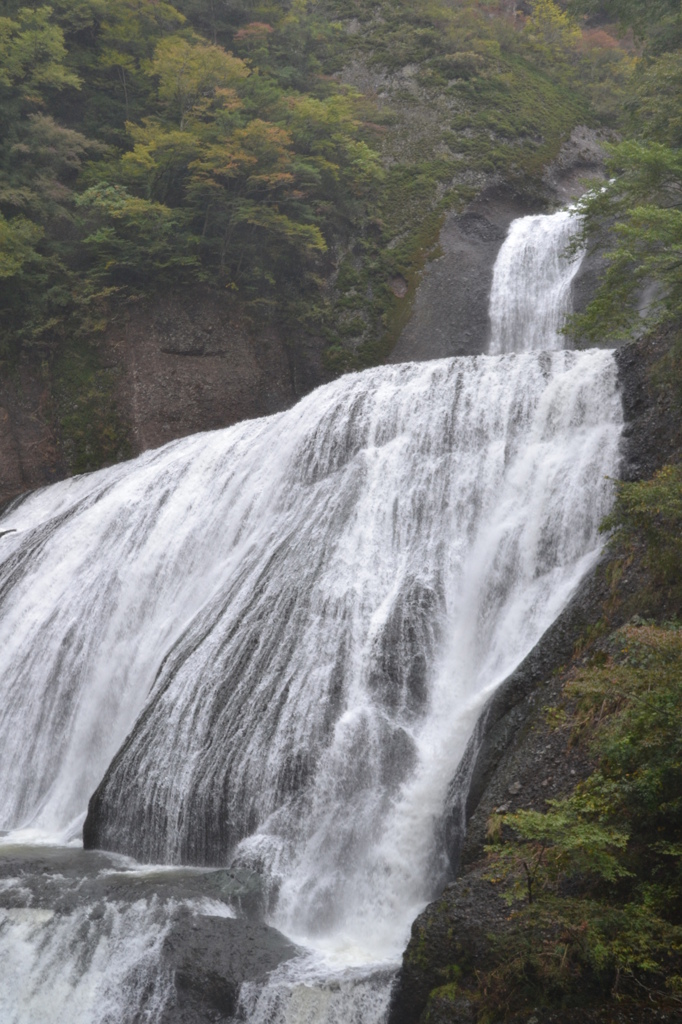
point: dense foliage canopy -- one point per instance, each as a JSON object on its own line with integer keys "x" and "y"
{"x": 149, "y": 144}
{"x": 135, "y": 152}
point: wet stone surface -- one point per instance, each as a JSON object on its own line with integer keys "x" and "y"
{"x": 121, "y": 941}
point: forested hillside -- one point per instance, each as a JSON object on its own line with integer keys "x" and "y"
{"x": 150, "y": 149}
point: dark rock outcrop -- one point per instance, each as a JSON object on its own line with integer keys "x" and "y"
{"x": 203, "y": 956}
{"x": 450, "y": 315}
{"x": 580, "y": 160}
{"x": 451, "y": 933}
{"x": 210, "y": 957}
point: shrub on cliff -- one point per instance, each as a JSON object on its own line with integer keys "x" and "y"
{"x": 636, "y": 217}
{"x": 595, "y": 883}
{"x": 649, "y": 512}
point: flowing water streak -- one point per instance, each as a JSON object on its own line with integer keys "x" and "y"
{"x": 83, "y": 967}
{"x": 531, "y": 290}
{"x": 283, "y": 589}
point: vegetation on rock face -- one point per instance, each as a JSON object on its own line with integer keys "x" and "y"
{"x": 636, "y": 218}
{"x": 649, "y": 513}
{"x": 155, "y": 145}
{"x": 595, "y": 882}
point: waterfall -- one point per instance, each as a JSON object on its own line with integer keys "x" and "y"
{"x": 116, "y": 977}
{"x": 310, "y": 610}
{"x": 266, "y": 647}
{"x": 531, "y": 290}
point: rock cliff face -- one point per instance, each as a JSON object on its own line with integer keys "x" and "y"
{"x": 187, "y": 364}
{"x": 29, "y": 449}
{"x": 450, "y": 315}
{"x": 181, "y": 364}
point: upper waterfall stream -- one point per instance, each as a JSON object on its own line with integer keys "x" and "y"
{"x": 266, "y": 647}
{"x": 531, "y": 290}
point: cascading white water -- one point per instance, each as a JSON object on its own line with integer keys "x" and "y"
{"x": 293, "y": 625}
{"x": 531, "y": 290}
{"x": 80, "y": 968}
{"x": 320, "y": 602}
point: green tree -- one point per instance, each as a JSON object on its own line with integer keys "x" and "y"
{"x": 649, "y": 512}
{"x": 552, "y": 30}
{"x": 636, "y": 218}
{"x": 18, "y": 240}
{"x": 134, "y": 241}
{"x": 596, "y": 881}
{"x": 33, "y": 55}
{"x": 190, "y": 71}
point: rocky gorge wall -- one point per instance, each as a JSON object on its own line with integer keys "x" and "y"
{"x": 450, "y": 313}
{"x": 190, "y": 363}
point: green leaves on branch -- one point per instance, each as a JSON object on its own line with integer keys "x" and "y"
{"x": 552, "y": 30}
{"x": 33, "y": 54}
{"x": 654, "y": 108}
{"x": 18, "y": 240}
{"x": 636, "y": 219}
{"x": 191, "y": 71}
{"x": 257, "y": 196}
{"x": 134, "y": 240}
{"x": 596, "y": 881}
{"x": 649, "y": 512}
{"x": 567, "y": 840}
